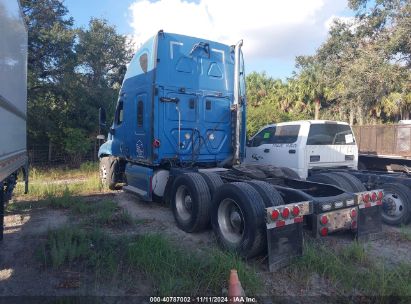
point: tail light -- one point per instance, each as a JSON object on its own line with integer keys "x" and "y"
{"x": 374, "y": 196}
{"x": 285, "y": 213}
{"x": 324, "y": 231}
{"x": 353, "y": 213}
{"x": 354, "y": 225}
{"x": 296, "y": 211}
{"x": 366, "y": 198}
{"x": 380, "y": 195}
{"x": 275, "y": 214}
{"x": 324, "y": 220}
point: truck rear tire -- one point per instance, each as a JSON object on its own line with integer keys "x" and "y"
{"x": 238, "y": 219}
{"x": 355, "y": 183}
{"x": 213, "y": 181}
{"x": 190, "y": 202}
{"x": 396, "y": 205}
{"x": 331, "y": 179}
{"x": 271, "y": 197}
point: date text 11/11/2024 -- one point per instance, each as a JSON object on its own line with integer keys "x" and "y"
{"x": 239, "y": 299}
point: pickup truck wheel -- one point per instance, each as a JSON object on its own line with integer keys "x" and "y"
{"x": 238, "y": 219}
{"x": 290, "y": 173}
{"x": 331, "y": 179}
{"x": 271, "y": 197}
{"x": 355, "y": 183}
{"x": 190, "y": 202}
{"x": 396, "y": 205}
{"x": 361, "y": 166}
{"x": 213, "y": 181}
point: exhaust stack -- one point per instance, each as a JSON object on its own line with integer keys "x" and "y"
{"x": 236, "y": 104}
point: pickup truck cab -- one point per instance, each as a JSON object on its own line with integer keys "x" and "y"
{"x": 304, "y": 145}
{"x": 326, "y": 151}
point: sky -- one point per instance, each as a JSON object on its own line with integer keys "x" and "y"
{"x": 274, "y": 31}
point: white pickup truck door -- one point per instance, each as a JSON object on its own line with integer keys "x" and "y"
{"x": 276, "y": 146}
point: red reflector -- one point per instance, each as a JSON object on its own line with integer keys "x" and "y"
{"x": 374, "y": 196}
{"x": 156, "y": 143}
{"x": 296, "y": 210}
{"x": 324, "y": 220}
{"x": 378, "y": 203}
{"x": 353, "y": 213}
{"x": 380, "y": 195}
{"x": 275, "y": 214}
{"x": 280, "y": 223}
{"x": 367, "y": 205}
{"x": 298, "y": 219}
{"x": 354, "y": 225}
{"x": 285, "y": 213}
{"x": 324, "y": 231}
{"x": 366, "y": 198}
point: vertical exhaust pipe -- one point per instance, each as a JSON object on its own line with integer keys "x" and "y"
{"x": 236, "y": 122}
{"x": 236, "y": 104}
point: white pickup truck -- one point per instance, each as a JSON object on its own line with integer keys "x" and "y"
{"x": 326, "y": 151}
{"x": 304, "y": 145}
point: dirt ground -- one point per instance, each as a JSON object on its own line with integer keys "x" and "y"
{"x": 22, "y": 274}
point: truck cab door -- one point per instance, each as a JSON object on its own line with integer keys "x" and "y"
{"x": 117, "y": 130}
{"x": 276, "y": 145}
{"x": 259, "y": 147}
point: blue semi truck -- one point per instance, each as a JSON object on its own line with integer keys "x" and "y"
{"x": 179, "y": 136}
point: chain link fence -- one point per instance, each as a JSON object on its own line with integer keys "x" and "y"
{"x": 49, "y": 155}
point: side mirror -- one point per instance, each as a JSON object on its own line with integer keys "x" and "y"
{"x": 102, "y": 117}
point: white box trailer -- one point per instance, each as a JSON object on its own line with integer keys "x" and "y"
{"x": 13, "y": 99}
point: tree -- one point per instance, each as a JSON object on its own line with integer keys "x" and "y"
{"x": 269, "y": 100}
{"x": 50, "y": 55}
{"x": 71, "y": 73}
{"x": 102, "y": 55}
{"x": 310, "y": 80}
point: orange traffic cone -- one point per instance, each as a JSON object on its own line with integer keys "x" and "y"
{"x": 235, "y": 290}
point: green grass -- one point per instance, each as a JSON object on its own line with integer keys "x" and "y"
{"x": 352, "y": 270}
{"x": 405, "y": 233}
{"x": 73, "y": 247}
{"x": 180, "y": 272}
{"x": 171, "y": 270}
{"x": 44, "y": 183}
{"x": 64, "y": 172}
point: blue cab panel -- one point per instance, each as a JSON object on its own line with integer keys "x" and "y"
{"x": 139, "y": 180}
{"x": 175, "y": 103}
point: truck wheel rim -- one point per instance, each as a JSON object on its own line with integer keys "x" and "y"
{"x": 231, "y": 220}
{"x": 103, "y": 173}
{"x": 393, "y": 205}
{"x": 184, "y": 203}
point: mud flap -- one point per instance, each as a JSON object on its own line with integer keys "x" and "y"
{"x": 369, "y": 223}
{"x": 284, "y": 244}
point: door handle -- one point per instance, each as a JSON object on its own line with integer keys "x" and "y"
{"x": 291, "y": 151}
{"x": 266, "y": 150}
{"x": 169, "y": 99}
